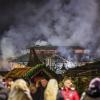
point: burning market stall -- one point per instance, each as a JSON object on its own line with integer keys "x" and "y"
{"x": 30, "y": 73}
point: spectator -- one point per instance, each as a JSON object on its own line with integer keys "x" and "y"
{"x": 52, "y": 92}
{"x": 10, "y": 82}
{"x": 39, "y": 95}
{"x": 69, "y": 92}
{"x": 3, "y": 92}
{"x": 33, "y": 91}
{"x": 44, "y": 82}
{"x": 93, "y": 92}
{"x": 19, "y": 91}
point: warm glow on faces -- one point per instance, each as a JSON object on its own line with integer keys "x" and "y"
{"x": 44, "y": 82}
{"x": 68, "y": 83}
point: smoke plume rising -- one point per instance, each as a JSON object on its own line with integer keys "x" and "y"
{"x": 60, "y": 22}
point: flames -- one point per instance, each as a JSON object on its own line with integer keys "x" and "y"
{"x": 8, "y": 65}
{"x": 16, "y": 65}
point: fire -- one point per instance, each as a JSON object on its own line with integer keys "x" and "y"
{"x": 16, "y": 65}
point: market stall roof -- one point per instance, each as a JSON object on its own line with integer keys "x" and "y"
{"x": 30, "y": 72}
{"x": 92, "y": 69}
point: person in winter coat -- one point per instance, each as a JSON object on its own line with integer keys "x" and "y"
{"x": 93, "y": 92}
{"x": 52, "y": 91}
{"x": 19, "y": 91}
{"x": 39, "y": 94}
{"x": 68, "y": 92}
{"x": 3, "y": 92}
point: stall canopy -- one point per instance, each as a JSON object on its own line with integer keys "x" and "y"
{"x": 31, "y": 72}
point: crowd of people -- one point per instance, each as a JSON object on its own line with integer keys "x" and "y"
{"x": 48, "y": 90}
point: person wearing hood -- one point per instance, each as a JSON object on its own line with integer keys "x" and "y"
{"x": 93, "y": 92}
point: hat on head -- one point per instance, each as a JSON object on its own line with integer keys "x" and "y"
{"x": 94, "y": 87}
{"x": 95, "y": 83}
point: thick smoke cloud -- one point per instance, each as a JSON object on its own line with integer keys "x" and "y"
{"x": 60, "y": 22}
